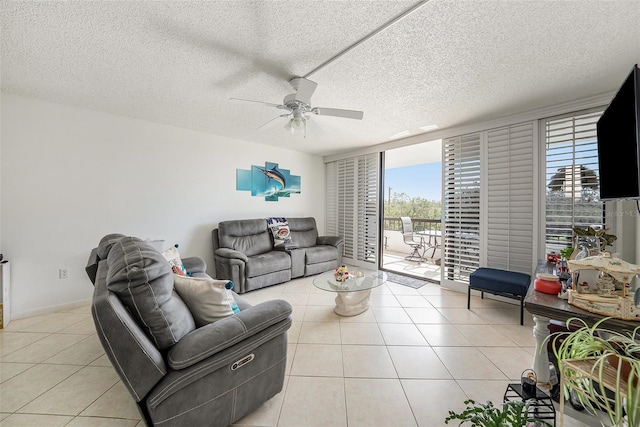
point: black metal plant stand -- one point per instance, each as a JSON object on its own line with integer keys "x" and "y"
{"x": 541, "y": 403}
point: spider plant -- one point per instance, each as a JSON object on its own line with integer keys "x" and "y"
{"x": 599, "y": 344}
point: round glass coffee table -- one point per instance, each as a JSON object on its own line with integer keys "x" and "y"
{"x": 353, "y": 294}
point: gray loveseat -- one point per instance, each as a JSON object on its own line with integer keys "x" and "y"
{"x": 180, "y": 375}
{"x": 244, "y": 253}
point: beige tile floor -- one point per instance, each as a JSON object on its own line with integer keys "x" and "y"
{"x": 405, "y": 362}
{"x": 429, "y": 268}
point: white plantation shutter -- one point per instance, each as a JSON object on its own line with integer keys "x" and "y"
{"x": 572, "y": 177}
{"x": 510, "y": 198}
{"x": 352, "y": 206}
{"x": 346, "y": 201}
{"x": 332, "y": 198}
{"x": 461, "y": 233}
{"x": 367, "y": 208}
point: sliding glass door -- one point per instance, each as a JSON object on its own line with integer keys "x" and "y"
{"x": 412, "y": 190}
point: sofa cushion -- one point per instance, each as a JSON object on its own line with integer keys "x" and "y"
{"x": 249, "y": 236}
{"x": 303, "y": 231}
{"x": 268, "y": 263}
{"x": 319, "y": 254}
{"x": 142, "y": 279}
{"x": 208, "y": 299}
{"x": 280, "y": 231}
{"x": 496, "y": 280}
{"x": 106, "y": 243}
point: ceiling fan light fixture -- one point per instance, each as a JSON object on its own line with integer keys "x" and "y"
{"x": 296, "y": 124}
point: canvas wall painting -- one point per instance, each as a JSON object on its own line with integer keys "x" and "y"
{"x": 270, "y": 181}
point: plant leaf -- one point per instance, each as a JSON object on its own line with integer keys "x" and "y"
{"x": 579, "y": 231}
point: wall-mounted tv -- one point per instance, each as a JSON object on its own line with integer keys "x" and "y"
{"x": 618, "y": 133}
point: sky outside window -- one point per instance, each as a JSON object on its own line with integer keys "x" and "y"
{"x": 424, "y": 181}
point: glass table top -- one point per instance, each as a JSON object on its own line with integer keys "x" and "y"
{"x": 361, "y": 279}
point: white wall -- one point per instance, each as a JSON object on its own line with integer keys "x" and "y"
{"x": 70, "y": 175}
{"x": 622, "y": 215}
{"x": 0, "y": 171}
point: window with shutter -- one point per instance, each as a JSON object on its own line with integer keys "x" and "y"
{"x": 572, "y": 180}
{"x": 510, "y": 198}
{"x": 352, "y": 206}
{"x": 461, "y": 163}
{"x": 367, "y": 221}
{"x": 332, "y": 198}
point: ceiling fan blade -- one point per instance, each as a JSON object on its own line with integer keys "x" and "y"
{"x": 270, "y": 121}
{"x": 315, "y": 129}
{"x": 304, "y": 89}
{"x": 336, "y": 112}
{"x": 258, "y": 102}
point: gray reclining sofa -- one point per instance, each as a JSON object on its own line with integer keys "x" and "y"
{"x": 244, "y": 253}
{"x": 180, "y": 375}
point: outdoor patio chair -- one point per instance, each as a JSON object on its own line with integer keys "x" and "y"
{"x": 415, "y": 241}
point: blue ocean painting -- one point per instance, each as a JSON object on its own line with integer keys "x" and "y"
{"x": 270, "y": 181}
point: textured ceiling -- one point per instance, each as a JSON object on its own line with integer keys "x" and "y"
{"x": 448, "y": 63}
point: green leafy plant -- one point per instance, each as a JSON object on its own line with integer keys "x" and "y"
{"x": 604, "y": 238}
{"x": 566, "y": 252}
{"x": 512, "y": 413}
{"x": 600, "y": 344}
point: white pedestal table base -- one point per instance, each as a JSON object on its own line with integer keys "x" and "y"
{"x": 352, "y": 303}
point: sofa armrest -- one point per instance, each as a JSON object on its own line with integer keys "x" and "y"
{"x": 92, "y": 265}
{"x": 231, "y": 254}
{"x": 194, "y": 265}
{"x": 329, "y": 240}
{"x": 216, "y": 337}
{"x": 286, "y": 247}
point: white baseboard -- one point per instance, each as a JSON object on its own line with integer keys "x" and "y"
{"x": 49, "y": 309}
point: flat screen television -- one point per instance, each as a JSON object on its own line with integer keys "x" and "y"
{"x": 618, "y": 131}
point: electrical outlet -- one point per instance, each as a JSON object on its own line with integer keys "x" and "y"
{"x": 64, "y": 273}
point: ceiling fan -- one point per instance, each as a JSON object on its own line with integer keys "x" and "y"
{"x": 299, "y": 109}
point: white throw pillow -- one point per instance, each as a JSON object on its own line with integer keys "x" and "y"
{"x": 207, "y": 299}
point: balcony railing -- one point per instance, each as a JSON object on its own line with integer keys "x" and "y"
{"x": 395, "y": 250}
{"x": 419, "y": 224}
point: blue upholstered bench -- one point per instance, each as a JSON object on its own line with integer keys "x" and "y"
{"x": 500, "y": 282}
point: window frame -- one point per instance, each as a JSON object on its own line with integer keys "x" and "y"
{"x": 544, "y": 173}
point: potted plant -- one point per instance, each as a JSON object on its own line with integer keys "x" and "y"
{"x": 600, "y": 237}
{"x": 608, "y": 351}
{"x": 566, "y": 252}
{"x": 512, "y": 414}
